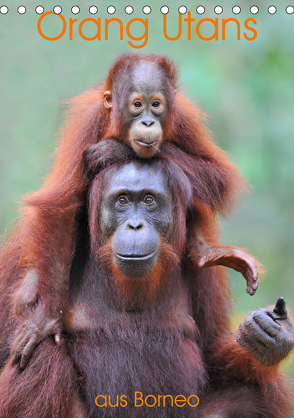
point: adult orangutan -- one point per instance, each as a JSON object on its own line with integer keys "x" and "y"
{"x": 146, "y": 333}
{"x": 140, "y": 105}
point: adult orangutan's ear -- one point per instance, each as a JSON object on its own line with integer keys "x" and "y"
{"x": 107, "y": 100}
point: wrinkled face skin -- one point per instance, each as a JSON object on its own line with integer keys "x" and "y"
{"x": 136, "y": 212}
{"x": 145, "y": 112}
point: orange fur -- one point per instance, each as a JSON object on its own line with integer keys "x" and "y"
{"x": 143, "y": 292}
{"x": 49, "y": 219}
{"x": 44, "y": 239}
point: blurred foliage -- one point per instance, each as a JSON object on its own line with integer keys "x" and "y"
{"x": 247, "y": 88}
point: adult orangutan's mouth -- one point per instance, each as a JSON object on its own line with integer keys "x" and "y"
{"x": 135, "y": 257}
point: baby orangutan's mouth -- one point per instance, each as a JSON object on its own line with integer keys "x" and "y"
{"x": 146, "y": 144}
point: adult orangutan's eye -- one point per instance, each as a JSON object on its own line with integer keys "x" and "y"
{"x": 123, "y": 200}
{"x": 149, "y": 200}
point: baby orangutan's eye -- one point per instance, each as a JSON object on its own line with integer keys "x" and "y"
{"x": 137, "y": 103}
{"x": 156, "y": 103}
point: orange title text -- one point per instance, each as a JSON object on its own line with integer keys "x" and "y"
{"x": 188, "y": 28}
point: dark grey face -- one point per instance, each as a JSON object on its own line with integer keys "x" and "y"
{"x": 136, "y": 211}
{"x": 145, "y": 113}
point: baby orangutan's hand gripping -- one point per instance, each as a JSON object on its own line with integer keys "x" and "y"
{"x": 35, "y": 325}
{"x": 204, "y": 255}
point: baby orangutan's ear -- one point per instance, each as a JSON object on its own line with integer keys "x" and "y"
{"x": 107, "y": 100}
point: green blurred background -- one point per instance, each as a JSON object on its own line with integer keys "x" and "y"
{"x": 247, "y": 88}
